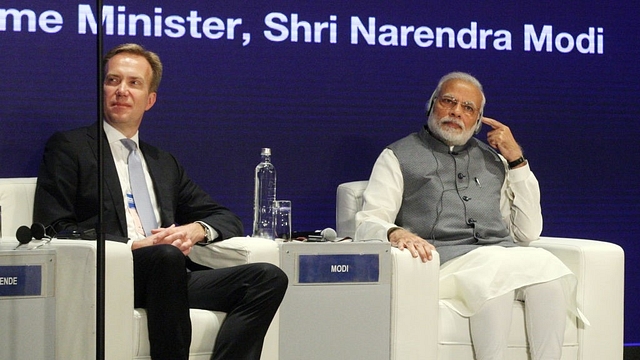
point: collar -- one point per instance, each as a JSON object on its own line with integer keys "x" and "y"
{"x": 114, "y": 136}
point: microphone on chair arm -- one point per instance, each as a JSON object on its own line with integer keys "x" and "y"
{"x": 328, "y": 234}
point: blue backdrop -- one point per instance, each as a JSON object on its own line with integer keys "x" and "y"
{"x": 328, "y": 84}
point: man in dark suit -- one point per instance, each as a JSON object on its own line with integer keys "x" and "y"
{"x": 182, "y": 215}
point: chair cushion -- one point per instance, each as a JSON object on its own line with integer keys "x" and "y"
{"x": 205, "y": 326}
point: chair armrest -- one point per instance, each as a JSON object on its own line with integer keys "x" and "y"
{"x": 76, "y": 299}
{"x": 414, "y": 306}
{"x": 599, "y": 267}
{"x": 118, "y": 301}
{"x": 236, "y": 251}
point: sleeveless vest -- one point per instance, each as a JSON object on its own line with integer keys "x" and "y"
{"x": 451, "y": 196}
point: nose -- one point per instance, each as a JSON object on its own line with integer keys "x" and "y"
{"x": 456, "y": 110}
{"x": 121, "y": 90}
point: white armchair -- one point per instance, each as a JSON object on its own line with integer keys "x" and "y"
{"x": 126, "y": 334}
{"x": 598, "y": 265}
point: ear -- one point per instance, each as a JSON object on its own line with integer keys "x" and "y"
{"x": 429, "y": 105}
{"x": 151, "y": 100}
{"x": 478, "y": 124}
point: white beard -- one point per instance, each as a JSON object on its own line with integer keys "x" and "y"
{"x": 450, "y": 136}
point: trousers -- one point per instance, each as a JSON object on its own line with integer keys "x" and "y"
{"x": 250, "y": 295}
{"x": 545, "y": 321}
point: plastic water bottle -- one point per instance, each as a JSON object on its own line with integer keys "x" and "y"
{"x": 265, "y": 195}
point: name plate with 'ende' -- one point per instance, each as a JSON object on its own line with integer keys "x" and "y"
{"x": 338, "y": 268}
{"x": 20, "y": 280}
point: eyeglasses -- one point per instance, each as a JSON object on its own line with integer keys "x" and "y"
{"x": 449, "y": 102}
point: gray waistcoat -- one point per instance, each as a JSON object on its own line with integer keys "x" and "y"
{"x": 451, "y": 198}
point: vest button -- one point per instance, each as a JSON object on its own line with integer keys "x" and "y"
{"x": 461, "y": 176}
{"x": 471, "y": 221}
{"x": 466, "y": 198}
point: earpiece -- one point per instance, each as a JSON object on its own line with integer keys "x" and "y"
{"x": 23, "y": 234}
{"x": 428, "y": 107}
{"x": 37, "y": 231}
{"x": 478, "y": 125}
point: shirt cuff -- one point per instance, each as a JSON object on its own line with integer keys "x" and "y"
{"x": 520, "y": 174}
{"x": 210, "y": 233}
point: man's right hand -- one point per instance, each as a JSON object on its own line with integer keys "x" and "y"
{"x": 417, "y": 246}
{"x": 172, "y": 235}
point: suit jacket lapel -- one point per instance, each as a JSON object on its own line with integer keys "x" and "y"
{"x": 112, "y": 190}
{"x": 161, "y": 188}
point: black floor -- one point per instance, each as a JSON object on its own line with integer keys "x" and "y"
{"x": 632, "y": 353}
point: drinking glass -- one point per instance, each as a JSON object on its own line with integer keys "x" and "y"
{"x": 282, "y": 219}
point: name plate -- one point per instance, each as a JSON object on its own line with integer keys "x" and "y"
{"x": 338, "y": 268}
{"x": 21, "y": 280}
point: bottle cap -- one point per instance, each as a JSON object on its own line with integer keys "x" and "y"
{"x": 266, "y": 151}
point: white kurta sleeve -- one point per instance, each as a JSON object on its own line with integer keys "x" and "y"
{"x": 520, "y": 204}
{"x": 381, "y": 199}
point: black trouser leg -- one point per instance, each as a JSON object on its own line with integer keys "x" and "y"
{"x": 160, "y": 281}
{"x": 250, "y": 295}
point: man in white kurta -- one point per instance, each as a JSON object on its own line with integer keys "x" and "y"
{"x": 441, "y": 189}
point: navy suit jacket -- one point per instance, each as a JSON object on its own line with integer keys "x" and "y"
{"x": 67, "y": 189}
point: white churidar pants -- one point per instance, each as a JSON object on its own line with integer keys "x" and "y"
{"x": 544, "y": 319}
{"x": 483, "y": 284}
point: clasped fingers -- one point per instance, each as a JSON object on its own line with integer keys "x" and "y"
{"x": 184, "y": 245}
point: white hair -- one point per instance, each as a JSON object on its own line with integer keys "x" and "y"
{"x": 457, "y": 75}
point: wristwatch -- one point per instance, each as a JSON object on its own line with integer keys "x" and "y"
{"x": 516, "y": 162}
{"x": 208, "y": 234}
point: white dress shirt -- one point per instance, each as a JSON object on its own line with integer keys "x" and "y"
{"x": 120, "y": 156}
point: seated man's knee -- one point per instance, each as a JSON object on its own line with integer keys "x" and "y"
{"x": 167, "y": 256}
{"x": 274, "y": 275}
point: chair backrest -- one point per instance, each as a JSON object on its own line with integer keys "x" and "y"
{"x": 348, "y": 203}
{"x": 16, "y": 200}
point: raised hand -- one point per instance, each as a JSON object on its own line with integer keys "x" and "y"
{"x": 501, "y": 139}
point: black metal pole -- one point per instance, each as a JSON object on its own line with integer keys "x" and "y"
{"x": 100, "y": 260}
